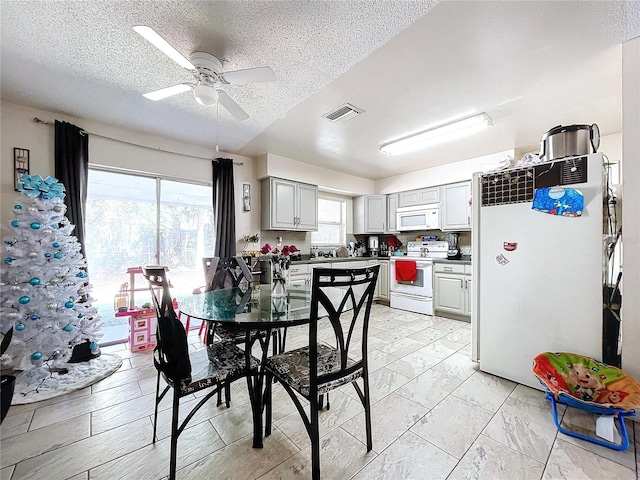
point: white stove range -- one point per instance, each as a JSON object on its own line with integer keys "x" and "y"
{"x": 417, "y": 295}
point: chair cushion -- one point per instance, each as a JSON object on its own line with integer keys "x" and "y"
{"x": 219, "y": 362}
{"x": 292, "y": 368}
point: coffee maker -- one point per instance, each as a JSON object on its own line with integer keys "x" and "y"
{"x": 454, "y": 250}
{"x": 373, "y": 247}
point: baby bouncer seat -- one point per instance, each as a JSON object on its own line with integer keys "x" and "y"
{"x": 584, "y": 383}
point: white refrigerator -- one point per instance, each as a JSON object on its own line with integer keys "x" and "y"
{"x": 537, "y": 276}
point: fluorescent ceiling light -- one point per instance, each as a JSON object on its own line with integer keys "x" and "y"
{"x": 162, "y": 45}
{"x": 442, "y": 133}
{"x": 168, "y": 92}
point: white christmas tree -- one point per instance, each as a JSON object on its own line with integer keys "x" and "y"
{"x": 44, "y": 287}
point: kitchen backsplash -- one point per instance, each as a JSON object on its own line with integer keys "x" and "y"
{"x": 302, "y": 240}
{"x": 405, "y": 237}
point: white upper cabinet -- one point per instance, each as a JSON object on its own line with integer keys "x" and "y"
{"x": 455, "y": 207}
{"x": 392, "y": 210}
{"x": 288, "y": 205}
{"x": 307, "y": 207}
{"x": 422, "y": 196}
{"x": 370, "y": 214}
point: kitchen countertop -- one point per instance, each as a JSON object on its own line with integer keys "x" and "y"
{"x": 464, "y": 260}
{"x": 335, "y": 260}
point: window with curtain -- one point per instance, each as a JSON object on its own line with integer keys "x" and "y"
{"x": 332, "y": 222}
{"x": 134, "y": 220}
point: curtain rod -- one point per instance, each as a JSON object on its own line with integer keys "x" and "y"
{"x": 84, "y": 132}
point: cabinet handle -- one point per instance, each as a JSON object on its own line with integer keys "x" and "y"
{"x": 468, "y": 221}
{"x": 447, "y": 269}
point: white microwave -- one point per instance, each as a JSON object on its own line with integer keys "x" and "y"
{"x": 421, "y": 217}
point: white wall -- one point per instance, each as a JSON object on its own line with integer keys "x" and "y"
{"x": 270, "y": 165}
{"x": 443, "y": 174}
{"x": 630, "y": 207}
{"x": 18, "y": 129}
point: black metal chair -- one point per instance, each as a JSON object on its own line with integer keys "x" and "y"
{"x": 342, "y": 298}
{"x": 219, "y": 273}
{"x": 215, "y": 366}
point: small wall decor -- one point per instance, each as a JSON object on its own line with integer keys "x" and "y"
{"x": 246, "y": 197}
{"x": 20, "y": 165}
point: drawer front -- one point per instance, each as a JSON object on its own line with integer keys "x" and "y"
{"x": 448, "y": 268}
{"x": 298, "y": 269}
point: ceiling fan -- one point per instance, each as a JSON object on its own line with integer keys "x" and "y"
{"x": 207, "y": 74}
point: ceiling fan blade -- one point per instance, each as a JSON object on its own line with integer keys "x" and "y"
{"x": 232, "y": 107}
{"x": 165, "y": 47}
{"x": 250, "y": 75}
{"x": 168, "y": 92}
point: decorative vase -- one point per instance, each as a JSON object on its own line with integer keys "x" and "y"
{"x": 279, "y": 281}
{"x": 7, "y": 385}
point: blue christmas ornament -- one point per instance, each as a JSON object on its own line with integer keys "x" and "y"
{"x": 8, "y": 260}
{"x": 36, "y": 356}
{"x": 15, "y": 223}
{"x": 55, "y": 245}
{"x": 24, "y": 300}
{"x": 45, "y": 196}
{"x": 34, "y": 317}
{"x": 21, "y": 326}
{"x": 54, "y": 225}
{"x": 47, "y": 255}
{"x": 35, "y": 225}
{"x": 81, "y": 275}
{"x": 34, "y": 281}
{"x": 80, "y": 315}
{"x": 17, "y": 207}
{"x": 69, "y": 304}
{"x": 93, "y": 346}
{"x": 58, "y": 255}
{"x": 68, "y": 328}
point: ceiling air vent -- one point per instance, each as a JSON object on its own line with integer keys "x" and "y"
{"x": 343, "y": 113}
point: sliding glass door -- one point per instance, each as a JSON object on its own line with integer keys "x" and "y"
{"x": 135, "y": 220}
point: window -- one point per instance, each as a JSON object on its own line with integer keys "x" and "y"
{"x": 332, "y": 222}
{"x": 135, "y": 220}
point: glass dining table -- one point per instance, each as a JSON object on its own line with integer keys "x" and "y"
{"x": 252, "y": 308}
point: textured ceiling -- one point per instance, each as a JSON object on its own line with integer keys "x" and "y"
{"x": 84, "y": 59}
{"x": 408, "y": 65}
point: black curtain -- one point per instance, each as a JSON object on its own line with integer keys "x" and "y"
{"x": 72, "y": 170}
{"x": 224, "y": 209}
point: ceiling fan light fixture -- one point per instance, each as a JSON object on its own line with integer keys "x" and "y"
{"x": 442, "y": 133}
{"x": 205, "y": 95}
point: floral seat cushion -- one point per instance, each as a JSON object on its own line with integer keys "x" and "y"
{"x": 587, "y": 380}
{"x": 216, "y": 363}
{"x": 293, "y": 368}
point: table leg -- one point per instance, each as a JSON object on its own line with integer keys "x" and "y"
{"x": 255, "y": 383}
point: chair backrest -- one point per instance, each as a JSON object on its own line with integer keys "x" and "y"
{"x": 225, "y": 272}
{"x": 341, "y": 298}
{"x": 171, "y": 352}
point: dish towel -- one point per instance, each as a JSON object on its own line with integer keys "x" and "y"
{"x": 406, "y": 271}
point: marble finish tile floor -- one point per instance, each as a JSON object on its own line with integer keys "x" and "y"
{"x": 435, "y": 416}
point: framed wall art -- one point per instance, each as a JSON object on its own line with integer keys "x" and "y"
{"x": 20, "y": 165}
{"x": 246, "y": 197}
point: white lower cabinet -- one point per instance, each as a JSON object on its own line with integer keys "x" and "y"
{"x": 301, "y": 275}
{"x": 382, "y": 286}
{"x": 452, "y": 288}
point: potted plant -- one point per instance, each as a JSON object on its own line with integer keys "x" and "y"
{"x": 7, "y": 382}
